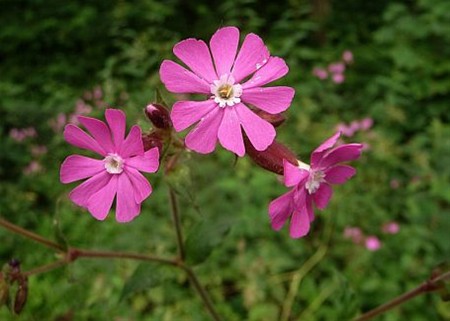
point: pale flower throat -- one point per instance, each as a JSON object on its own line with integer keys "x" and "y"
{"x": 113, "y": 164}
{"x": 316, "y": 177}
{"x": 225, "y": 91}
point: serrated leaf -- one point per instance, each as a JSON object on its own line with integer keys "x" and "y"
{"x": 204, "y": 237}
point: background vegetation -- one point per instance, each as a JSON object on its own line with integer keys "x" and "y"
{"x": 57, "y": 59}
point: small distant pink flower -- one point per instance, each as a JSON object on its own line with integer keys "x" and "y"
{"x": 338, "y": 78}
{"x": 373, "y": 243}
{"x": 32, "y": 168}
{"x": 20, "y": 134}
{"x": 365, "y": 146}
{"x": 312, "y": 184}
{"x": 345, "y": 130}
{"x": 354, "y": 233}
{"x": 98, "y": 93}
{"x": 391, "y": 228}
{"x": 366, "y": 123}
{"x": 347, "y": 56}
{"x": 57, "y": 124}
{"x": 395, "y": 183}
{"x": 38, "y": 150}
{"x": 320, "y": 73}
{"x": 336, "y": 68}
{"x": 117, "y": 174}
{"x": 232, "y": 79}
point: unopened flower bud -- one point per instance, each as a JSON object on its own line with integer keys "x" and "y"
{"x": 159, "y": 116}
{"x": 152, "y": 140}
{"x": 272, "y": 158}
{"x": 275, "y": 119}
{"x": 21, "y": 295}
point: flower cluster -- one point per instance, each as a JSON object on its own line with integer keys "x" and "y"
{"x": 239, "y": 111}
{"x": 335, "y": 70}
{"x": 370, "y": 242}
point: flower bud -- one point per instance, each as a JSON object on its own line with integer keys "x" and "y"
{"x": 21, "y": 295}
{"x": 152, "y": 139}
{"x": 272, "y": 158}
{"x": 159, "y": 116}
{"x": 276, "y": 119}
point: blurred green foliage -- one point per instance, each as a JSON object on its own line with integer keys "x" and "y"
{"x": 55, "y": 56}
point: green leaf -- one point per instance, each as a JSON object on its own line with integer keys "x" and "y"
{"x": 204, "y": 237}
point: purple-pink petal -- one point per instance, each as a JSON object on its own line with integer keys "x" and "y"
{"x": 99, "y": 131}
{"x": 203, "y": 137}
{"x": 292, "y": 174}
{"x": 180, "y": 80}
{"x": 187, "y": 113}
{"x": 133, "y": 144}
{"x": 117, "y": 124}
{"x": 274, "y": 69}
{"x": 343, "y": 153}
{"x": 149, "y": 162}
{"x": 76, "y": 167}
{"x": 100, "y": 203}
{"x": 195, "y": 54}
{"x": 322, "y": 196}
{"x": 127, "y": 208}
{"x": 339, "y": 174}
{"x": 141, "y": 187}
{"x": 223, "y": 46}
{"x": 300, "y": 223}
{"x": 77, "y": 137}
{"x": 80, "y": 194}
{"x": 252, "y": 56}
{"x": 260, "y": 132}
{"x": 280, "y": 209}
{"x": 273, "y": 100}
{"x": 320, "y": 151}
{"x": 230, "y": 133}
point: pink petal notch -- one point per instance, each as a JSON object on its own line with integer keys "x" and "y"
{"x": 224, "y": 44}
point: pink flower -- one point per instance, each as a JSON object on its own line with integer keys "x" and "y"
{"x": 391, "y": 228}
{"x": 394, "y": 183}
{"x": 338, "y": 78}
{"x": 320, "y": 73}
{"x": 336, "y": 68}
{"x": 366, "y": 123}
{"x": 345, "y": 130}
{"x": 347, "y": 56}
{"x": 232, "y": 80}
{"x": 354, "y": 233}
{"x": 311, "y": 184}
{"x": 373, "y": 243}
{"x": 32, "y": 168}
{"x": 117, "y": 174}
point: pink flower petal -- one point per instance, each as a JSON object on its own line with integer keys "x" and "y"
{"x": 252, "y": 56}
{"x": 133, "y": 144}
{"x": 339, "y": 174}
{"x": 343, "y": 153}
{"x": 292, "y": 174}
{"x": 300, "y": 223}
{"x": 195, "y": 54}
{"x": 149, "y": 162}
{"x": 100, "y": 203}
{"x": 320, "y": 151}
{"x": 273, "y": 100}
{"x": 280, "y": 209}
{"x": 127, "y": 208}
{"x": 80, "y": 194}
{"x": 75, "y": 136}
{"x": 100, "y": 131}
{"x": 223, "y": 46}
{"x": 260, "y": 132}
{"x": 180, "y": 80}
{"x": 274, "y": 69}
{"x": 76, "y": 167}
{"x": 309, "y": 208}
{"x": 187, "y": 113}
{"x": 141, "y": 186}
{"x": 117, "y": 124}
{"x": 203, "y": 137}
{"x": 230, "y": 133}
{"x": 322, "y": 196}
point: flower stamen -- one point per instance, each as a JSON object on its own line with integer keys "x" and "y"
{"x": 114, "y": 164}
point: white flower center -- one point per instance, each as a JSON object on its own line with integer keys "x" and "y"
{"x": 316, "y": 177}
{"x": 114, "y": 164}
{"x": 225, "y": 91}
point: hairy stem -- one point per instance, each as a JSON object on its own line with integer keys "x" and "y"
{"x": 176, "y": 223}
{"x": 28, "y": 234}
{"x": 47, "y": 267}
{"x": 428, "y": 286}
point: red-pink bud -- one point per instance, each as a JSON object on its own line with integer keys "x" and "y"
{"x": 159, "y": 116}
{"x": 21, "y": 295}
{"x": 272, "y": 158}
{"x": 275, "y": 119}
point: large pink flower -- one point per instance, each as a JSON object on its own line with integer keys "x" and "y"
{"x": 117, "y": 174}
{"x": 311, "y": 184}
{"x": 223, "y": 73}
